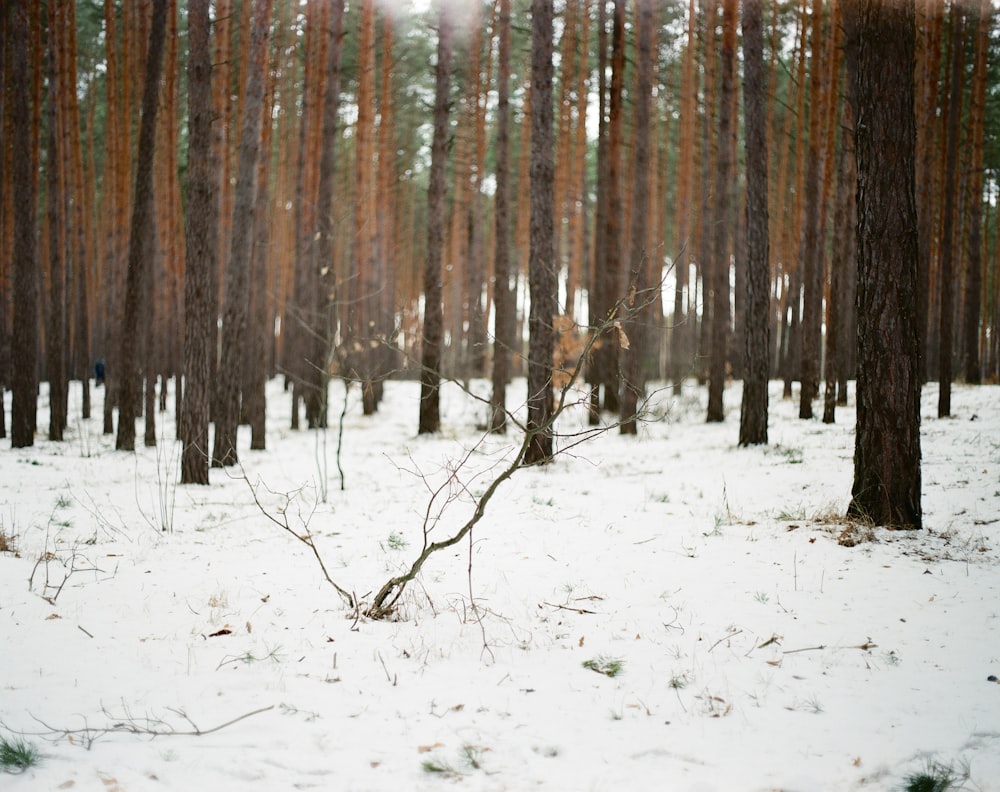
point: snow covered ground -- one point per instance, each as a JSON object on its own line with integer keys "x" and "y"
{"x": 753, "y": 650}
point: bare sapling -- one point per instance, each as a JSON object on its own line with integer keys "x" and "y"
{"x": 458, "y": 481}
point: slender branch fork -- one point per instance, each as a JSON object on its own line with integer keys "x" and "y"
{"x": 384, "y": 603}
{"x": 129, "y": 724}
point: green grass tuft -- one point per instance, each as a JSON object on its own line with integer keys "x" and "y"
{"x": 16, "y": 755}
{"x": 605, "y": 665}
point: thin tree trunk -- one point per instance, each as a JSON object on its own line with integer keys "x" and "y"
{"x": 141, "y": 239}
{"x": 234, "y": 321}
{"x": 433, "y": 328}
{"x": 949, "y": 240}
{"x": 503, "y": 297}
{"x": 973, "y": 291}
{"x": 24, "y": 352}
{"x": 541, "y": 264}
{"x": 757, "y": 342}
{"x": 201, "y": 248}
{"x": 638, "y": 305}
{"x": 724, "y": 183}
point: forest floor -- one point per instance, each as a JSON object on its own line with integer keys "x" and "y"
{"x": 664, "y": 612}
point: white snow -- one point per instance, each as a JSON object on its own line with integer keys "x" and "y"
{"x": 756, "y": 652}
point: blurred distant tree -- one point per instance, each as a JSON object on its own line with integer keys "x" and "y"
{"x": 637, "y": 300}
{"x": 609, "y": 241}
{"x": 141, "y": 247}
{"x": 234, "y": 319}
{"x": 433, "y": 328}
{"x": 880, "y": 52}
{"x": 682, "y": 324}
{"x": 503, "y": 297}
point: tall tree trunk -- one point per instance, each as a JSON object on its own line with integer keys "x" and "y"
{"x": 880, "y": 50}
{"x": 201, "y": 247}
{"x": 724, "y": 186}
{"x": 433, "y": 329}
{"x": 639, "y": 301}
{"x": 141, "y": 239}
{"x": 949, "y": 222}
{"x": 757, "y": 341}
{"x": 681, "y": 323}
{"x": 503, "y": 297}
{"x": 843, "y": 272}
{"x": 364, "y": 286}
{"x": 930, "y": 17}
{"x": 972, "y": 293}
{"x": 316, "y": 374}
{"x": 24, "y": 348}
{"x": 234, "y": 318}
{"x": 597, "y": 302}
{"x": 55, "y": 324}
{"x": 541, "y": 262}
{"x": 609, "y": 264}
{"x": 811, "y": 255}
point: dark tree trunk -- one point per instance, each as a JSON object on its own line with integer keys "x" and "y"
{"x": 141, "y": 240}
{"x": 234, "y": 319}
{"x": 503, "y": 298}
{"x": 316, "y": 375}
{"x": 949, "y": 220}
{"x": 200, "y": 255}
{"x": 637, "y": 306}
{"x": 608, "y": 263}
{"x": 757, "y": 332}
{"x": 597, "y": 301}
{"x": 880, "y": 51}
{"x": 843, "y": 271}
{"x": 811, "y": 254}
{"x": 720, "y": 262}
{"x": 979, "y": 13}
{"x": 55, "y": 324}
{"x": 846, "y": 249}
{"x": 541, "y": 259}
{"x": 24, "y": 349}
{"x": 433, "y": 331}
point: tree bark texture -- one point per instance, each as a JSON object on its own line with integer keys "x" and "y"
{"x": 201, "y": 241}
{"x": 880, "y": 49}
{"x": 541, "y": 259}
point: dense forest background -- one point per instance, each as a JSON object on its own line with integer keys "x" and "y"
{"x": 324, "y": 215}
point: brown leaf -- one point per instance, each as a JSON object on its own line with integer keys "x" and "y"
{"x": 427, "y": 748}
{"x": 223, "y": 631}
